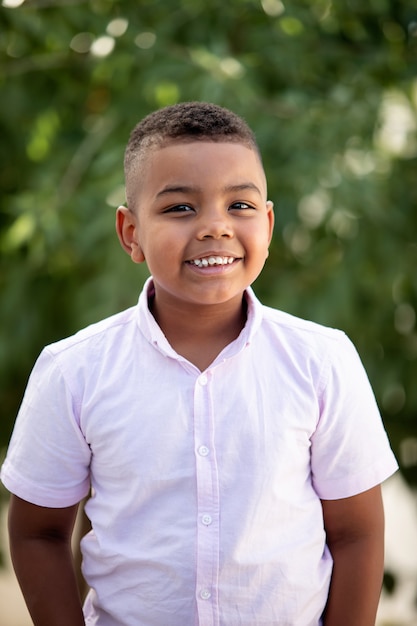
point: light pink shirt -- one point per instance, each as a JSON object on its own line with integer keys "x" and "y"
{"x": 206, "y": 486}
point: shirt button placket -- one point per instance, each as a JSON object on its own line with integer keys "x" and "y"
{"x": 208, "y": 503}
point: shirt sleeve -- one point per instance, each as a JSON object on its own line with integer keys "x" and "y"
{"x": 48, "y": 459}
{"x": 350, "y": 448}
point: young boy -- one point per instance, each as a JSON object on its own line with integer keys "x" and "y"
{"x": 233, "y": 453}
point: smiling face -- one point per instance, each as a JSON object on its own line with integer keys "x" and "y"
{"x": 202, "y": 222}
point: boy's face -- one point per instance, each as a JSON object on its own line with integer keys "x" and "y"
{"x": 202, "y": 222}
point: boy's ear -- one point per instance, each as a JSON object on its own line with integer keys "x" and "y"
{"x": 271, "y": 218}
{"x": 127, "y": 232}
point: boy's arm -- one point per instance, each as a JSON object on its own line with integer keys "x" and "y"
{"x": 40, "y": 546}
{"x": 355, "y": 536}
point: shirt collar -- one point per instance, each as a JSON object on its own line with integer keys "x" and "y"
{"x": 153, "y": 333}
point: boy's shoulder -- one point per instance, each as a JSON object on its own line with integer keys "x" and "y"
{"x": 306, "y": 343}
{"x": 291, "y": 325}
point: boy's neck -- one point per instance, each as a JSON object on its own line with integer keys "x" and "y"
{"x": 199, "y": 333}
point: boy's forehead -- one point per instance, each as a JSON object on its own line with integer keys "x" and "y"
{"x": 171, "y": 161}
{"x": 182, "y": 157}
{"x": 194, "y": 148}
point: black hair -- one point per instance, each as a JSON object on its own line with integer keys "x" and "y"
{"x": 184, "y": 122}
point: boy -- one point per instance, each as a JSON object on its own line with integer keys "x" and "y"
{"x": 234, "y": 453}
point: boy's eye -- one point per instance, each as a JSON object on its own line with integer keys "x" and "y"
{"x": 179, "y": 208}
{"x": 241, "y": 206}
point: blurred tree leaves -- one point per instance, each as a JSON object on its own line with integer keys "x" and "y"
{"x": 330, "y": 88}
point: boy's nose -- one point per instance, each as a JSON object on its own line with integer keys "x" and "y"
{"x": 215, "y": 226}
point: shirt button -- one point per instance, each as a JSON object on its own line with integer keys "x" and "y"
{"x": 203, "y": 380}
{"x": 205, "y": 594}
{"x": 207, "y": 520}
{"x": 203, "y": 451}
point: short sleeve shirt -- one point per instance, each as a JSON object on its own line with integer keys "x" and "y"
{"x": 204, "y": 488}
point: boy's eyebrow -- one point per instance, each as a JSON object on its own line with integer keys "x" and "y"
{"x": 195, "y": 189}
{"x": 176, "y": 189}
{"x": 243, "y": 187}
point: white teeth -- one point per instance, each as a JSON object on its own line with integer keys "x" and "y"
{"x": 213, "y": 260}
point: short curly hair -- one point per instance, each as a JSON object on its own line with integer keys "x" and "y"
{"x": 183, "y": 122}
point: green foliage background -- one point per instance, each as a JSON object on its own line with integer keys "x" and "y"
{"x": 330, "y": 88}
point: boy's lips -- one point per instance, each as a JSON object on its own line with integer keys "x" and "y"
{"x": 212, "y": 260}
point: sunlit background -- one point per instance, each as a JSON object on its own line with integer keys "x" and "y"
{"x": 330, "y": 89}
